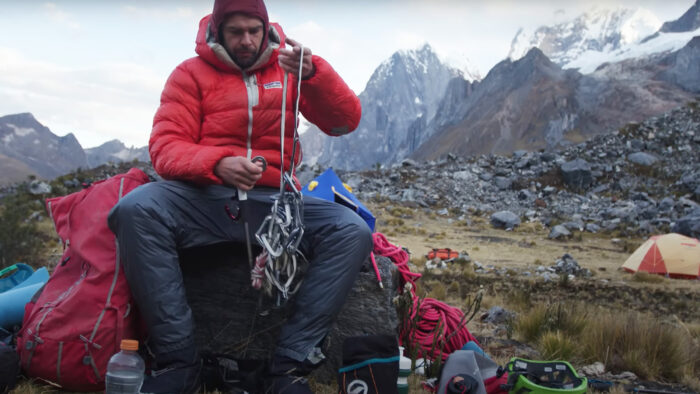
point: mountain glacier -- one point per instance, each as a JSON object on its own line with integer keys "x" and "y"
{"x": 603, "y": 36}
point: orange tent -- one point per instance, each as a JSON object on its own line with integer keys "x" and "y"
{"x": 673, "y": 255}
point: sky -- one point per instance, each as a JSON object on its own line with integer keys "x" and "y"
{"x": 96, "y": 68}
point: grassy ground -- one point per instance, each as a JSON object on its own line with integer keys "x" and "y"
{"x": 646, "y": 324}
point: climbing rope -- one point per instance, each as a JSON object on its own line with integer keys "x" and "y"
{"x": 439, "y": 329}
{"x": 282, "y": 230}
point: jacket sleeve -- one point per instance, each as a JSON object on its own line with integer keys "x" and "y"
{"x": 173, "y": 146}
{"x": 328, "y": 102}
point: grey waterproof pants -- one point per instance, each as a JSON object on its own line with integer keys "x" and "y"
{"x": 157, "y": 219}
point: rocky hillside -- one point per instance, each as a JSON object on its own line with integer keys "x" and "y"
{"x": 641, "y": 179}
{"x": 533, "y": 103}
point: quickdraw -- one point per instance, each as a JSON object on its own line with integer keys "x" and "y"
{"x": 282, "y": 230}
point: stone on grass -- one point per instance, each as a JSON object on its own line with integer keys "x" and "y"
{"x": 559, "y": 232}
{"x": 505, "y": 219}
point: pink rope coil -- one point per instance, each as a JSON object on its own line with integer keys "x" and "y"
{"x": 429, "y": 313}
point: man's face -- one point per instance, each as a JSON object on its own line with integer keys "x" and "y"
{"x": 242, "y": 37}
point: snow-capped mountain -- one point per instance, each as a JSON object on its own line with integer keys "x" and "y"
{"x": 602, "y": 37}
{"x": 400, "y": 99}
{"x": 597, "y": 31}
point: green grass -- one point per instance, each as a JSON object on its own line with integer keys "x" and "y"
{"x": 623, "y": 341}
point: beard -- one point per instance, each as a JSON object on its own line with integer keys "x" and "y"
{"x": 243, "y": 59}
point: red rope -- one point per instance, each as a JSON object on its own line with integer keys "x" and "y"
{"x": 399, "y": 256}
{"x": 431, "y": 313}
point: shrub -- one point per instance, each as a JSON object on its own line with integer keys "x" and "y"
{"x": 645, "y": 277}
{"x": 555, "y": 345}
{"x": 20, "y": 239}
{"x": 645, "y": 346}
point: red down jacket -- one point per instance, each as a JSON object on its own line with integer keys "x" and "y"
{"x": 210, "y": 109}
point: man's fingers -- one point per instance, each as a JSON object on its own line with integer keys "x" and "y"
{"x": 291, "y": 42}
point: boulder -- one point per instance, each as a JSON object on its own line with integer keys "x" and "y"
{"x": 505, "y": 219}
{"x": 642, "y": 159}
{"x": 39, "y": 187}
{"x": 688, "y": 225}
{"x": 577, "y": 174}
{"x": 559, "y": 232}
{"x": 233, "y": 318}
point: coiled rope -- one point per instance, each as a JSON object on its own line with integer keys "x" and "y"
{"x": 433, "y": 327}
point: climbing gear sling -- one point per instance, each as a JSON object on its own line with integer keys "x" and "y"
{"x": 282, "y": 230}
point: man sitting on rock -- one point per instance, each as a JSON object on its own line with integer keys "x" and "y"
{"x": 218, "y": 110}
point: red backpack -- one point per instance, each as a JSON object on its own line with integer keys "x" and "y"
{"x": 77, "y": 322}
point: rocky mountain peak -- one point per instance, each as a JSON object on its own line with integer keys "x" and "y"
{"x": 21, "y": 118}
{"x": 400, "y": 99}
{"x": 687, "y": 22}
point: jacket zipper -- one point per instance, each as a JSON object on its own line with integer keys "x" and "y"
{"x": 251, "y": 88}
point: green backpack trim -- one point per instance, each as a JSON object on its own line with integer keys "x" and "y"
{"x": 543, "y": 377}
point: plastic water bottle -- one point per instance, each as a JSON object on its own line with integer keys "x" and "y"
{"x": 404, "y": 371}
{"x": 125, "y": 370}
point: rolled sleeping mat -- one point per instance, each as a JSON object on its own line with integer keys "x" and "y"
{"x": 12, "y": 302}
{"x": 16, "y": 274}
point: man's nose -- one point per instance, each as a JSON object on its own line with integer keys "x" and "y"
{"x": 247, "y": 39}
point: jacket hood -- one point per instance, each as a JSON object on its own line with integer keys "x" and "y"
{"x": 215, "y": 54}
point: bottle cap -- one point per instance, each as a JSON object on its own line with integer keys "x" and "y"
{"x": 129, "y": 344}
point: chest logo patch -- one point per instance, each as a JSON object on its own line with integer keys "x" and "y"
{"x": 273, "y": 85}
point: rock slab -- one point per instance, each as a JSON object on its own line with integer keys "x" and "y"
{"x": 232, "y": 318}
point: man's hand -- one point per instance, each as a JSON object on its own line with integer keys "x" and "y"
{"x": 289, "y": 59}
{"x": 238, "y": 171}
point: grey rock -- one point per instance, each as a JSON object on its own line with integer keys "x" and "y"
{"x": 505, "y": 220}
{"x": 525, "y": 194}
{"x": 559, "y": 232}
{"x": 502, "y": 183}
{"x": 485, "y": 176}
{"x": 38, "y": 187}
{"x": 577, "y": 174}
{"x": 409, "y": 163}
{"x": 688, "y": 225}
{"x": 214, "y": 283}
{"x": 549, "y": 190}
{"x": 592, "y": 227}
{"x": 549, "y": 277}
{"x": 642, "y": 159}
{"x": 497, "y": 315}
{"x": 594, "y": 370}
{"x": 666, "y": 204}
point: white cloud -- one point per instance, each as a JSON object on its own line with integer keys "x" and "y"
{"x": 96, "y": 102}
{"x": 60, "y": 16}
{"x": 165, "y": 13}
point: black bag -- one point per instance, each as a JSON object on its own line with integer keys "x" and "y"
{"x": 370, "y": 365}
{"x": 9, "y": 367}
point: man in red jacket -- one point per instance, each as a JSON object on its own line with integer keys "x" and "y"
{"x": 218, "y": 110}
